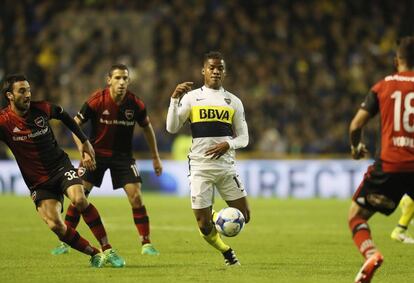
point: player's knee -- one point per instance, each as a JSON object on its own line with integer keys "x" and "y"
{"x": 87, "y": 192}
{"x": 357, "y": 211}
{"x": 352, "y": 212}
{"x": 205, "y": 230}
{"x": 135, "y": 198}
{"x": 80, "y": 202}
{"x": 57, "y": 226}
{"x": 205, "y": 225}
{"x": 136, "y": 201}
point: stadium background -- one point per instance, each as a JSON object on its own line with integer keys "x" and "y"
{"x": 300, "y": 67}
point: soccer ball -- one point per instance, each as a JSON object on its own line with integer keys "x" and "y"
{"x": 229, "y": 222}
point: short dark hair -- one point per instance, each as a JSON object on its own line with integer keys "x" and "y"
{"x": 117, "y": 66}
{"x": 213, "y": 55}
{"x": 405, "y": 50}
{"x": 9, "y": 81}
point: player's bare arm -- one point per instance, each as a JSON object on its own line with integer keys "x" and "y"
{"x": 87, "y": 159}
{"x": 84, "y": 145}
{"x": 152, "y": 143}
{"x": 218, "y": 150}
{"x": 358, "y": 149}
{"x": 88, "y": 155}
{"x": 182, "y": 89}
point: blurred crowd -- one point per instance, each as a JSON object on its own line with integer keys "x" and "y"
{"x": 301, "y": 67}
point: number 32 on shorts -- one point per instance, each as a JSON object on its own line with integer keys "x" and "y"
{"x": 71, "y": 174}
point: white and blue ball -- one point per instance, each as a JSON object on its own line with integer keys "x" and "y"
{"x": 230, "y": 221}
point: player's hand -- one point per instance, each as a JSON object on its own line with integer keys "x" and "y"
{"x": 88, "y": 156}
{"x": 182, "y": 89}
{"x": 359, "y": 151}
{"x": 88, "y": 162}
{"x": 157, "y": 165}
{"x": 217, "y": 150}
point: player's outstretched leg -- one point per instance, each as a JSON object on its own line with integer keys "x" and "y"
{"x": 76, "y": 241}
{"x": 72, "y": 219}
{"x": 48, "y": 211}
{"x": 93, "y": 220}
{"x": 400, "y": 233}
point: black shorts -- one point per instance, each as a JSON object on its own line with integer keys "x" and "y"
{"x": 377, "y": 184}
{"x": 123, "y": 171}
{"x": 55, "y": 187}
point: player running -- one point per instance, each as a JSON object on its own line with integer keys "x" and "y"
{"x": 218, "y": 127}
{"x": 392, "y": 174}
{"x": 46, "y": 168}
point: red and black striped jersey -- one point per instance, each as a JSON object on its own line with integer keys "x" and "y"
{"x": 393, "y": 98}
{"x": 32, "y": 142}
{"x": 112, "y": 125}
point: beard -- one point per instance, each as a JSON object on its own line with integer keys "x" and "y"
{"x": 22, "y": 106}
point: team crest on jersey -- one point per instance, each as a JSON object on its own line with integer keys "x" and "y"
{"x": 40, "y": 122}
{"x": 227, "y": 100}
{"x": 129, "y": 114}
{"x": 81, "y": 171}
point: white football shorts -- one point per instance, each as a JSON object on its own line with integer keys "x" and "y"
{"x": 204, "y": 182}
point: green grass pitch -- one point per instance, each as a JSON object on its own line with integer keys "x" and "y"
{"x": 287, "y": 241}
